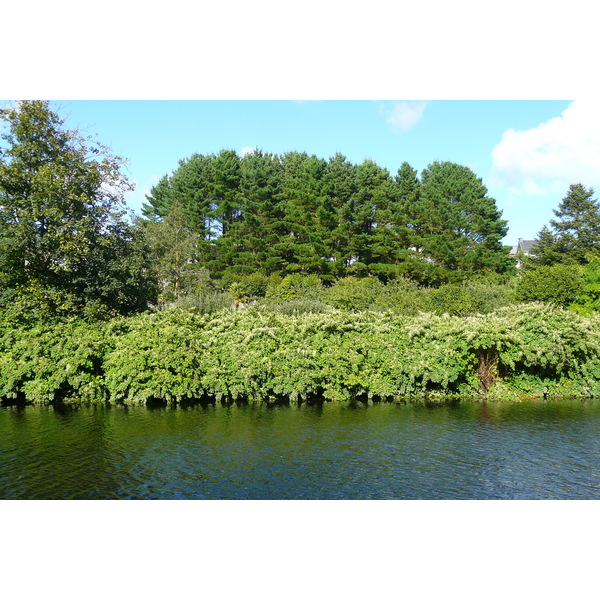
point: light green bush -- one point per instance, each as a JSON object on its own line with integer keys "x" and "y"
{"x": 353, "y": 293}
{"x": 587, "y": 300}
{"x": 555, "y": 284}
{"x": 294, "y": 287}
{"x": 401, "y": 296}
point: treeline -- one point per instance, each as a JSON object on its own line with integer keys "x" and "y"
{"x": 67, "y": 246}
{"x": 298, "y": 213}
{"x": 226, "y": 229}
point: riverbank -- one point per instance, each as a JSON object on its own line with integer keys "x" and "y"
{"x": 258, "y": 355}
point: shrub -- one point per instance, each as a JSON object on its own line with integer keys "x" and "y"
{"x": 353, "y": 293}
{"x": 555, "y": 284}
{"x": 401, "y": 296}
{"x": 210, "y": 301}
{"x": 299, "y": 306}
{"x": 294, "y": 287}
{"x": 587, "y": 300}
{"x": 246, "y": 287}
{"x": 257, "y": 355}
{"x": 59, "y": 361}
{"x": 462, "y": 299}
{"x": 454, "y": 299}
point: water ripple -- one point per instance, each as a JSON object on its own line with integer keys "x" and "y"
{"x": 467, "y": 451}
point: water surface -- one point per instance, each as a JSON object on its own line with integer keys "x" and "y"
{"x": 547, "y": 450}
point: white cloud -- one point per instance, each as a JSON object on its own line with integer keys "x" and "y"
{"x": 404, "y": 115}
{"x": 246, "y": 150}
{"x": 551, "y": 156}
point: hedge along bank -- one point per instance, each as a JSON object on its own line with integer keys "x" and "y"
{"x": 259, "y": 355}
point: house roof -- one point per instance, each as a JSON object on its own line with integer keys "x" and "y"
{"x": 525, "y": 245}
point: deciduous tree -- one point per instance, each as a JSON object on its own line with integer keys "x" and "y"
{"x": 66, "y": 246}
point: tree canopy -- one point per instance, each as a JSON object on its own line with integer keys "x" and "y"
{"x": 298, "y": 213}
{"x": 65, "y": 244}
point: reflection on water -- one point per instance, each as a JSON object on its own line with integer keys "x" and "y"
{"x": 459, "y": 451}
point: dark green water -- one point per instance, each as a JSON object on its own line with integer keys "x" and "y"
{"x": 462, "y": 451}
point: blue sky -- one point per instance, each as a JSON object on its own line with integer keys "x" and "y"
{"x": 526, "y": 152}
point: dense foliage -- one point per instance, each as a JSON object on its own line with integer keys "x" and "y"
{"x": 297, "y": 213}
{"x": 258, "y": 354}
{"x": 65, "y": 245}
{"x": 267, "y": 277}
{"x": 557, "y": 284}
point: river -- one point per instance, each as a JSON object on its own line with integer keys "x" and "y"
{"x": 467, "y": 450}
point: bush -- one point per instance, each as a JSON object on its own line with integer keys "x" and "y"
{"x": 454, "y": 299}
{"x": 401, "y": 296}
{"x": 353, "y": 293}
{"x": 556, "y": 284}
{"x": 258, "y": 355}
{"x": 588, "y": 300}
{"x": 246, "y": 287}
{"x": 299, "y": 306}
{"x": 60, "y": 361}
{"x": 294, "y": 287}
{"x": 207, "y": 302}
{"x": 462, "y": 299}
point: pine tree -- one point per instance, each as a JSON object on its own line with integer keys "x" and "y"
{"x": 302, "y": 246}
{"x": 249, "y": 245}
{"x": 340, "y": 187}
{"x": 462, "y": 227}
{"x": 379, "y": 235}
{"x": 575, "y": 235}
{"x": 410, "y": 220}
{"x": 189, "y": 186}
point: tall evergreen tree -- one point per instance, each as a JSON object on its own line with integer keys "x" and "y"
{"x": 462, "y": 227}
{"x": 575, "y": 235}
{"x": 340, "y": 187}
{"x": 249, "y": 245}
{"x": 190, "y": 187}
{"x": 191, "y": 190}
{"x": 303, "y": 248}
{"x": 410, "y": 222}
{"x": 159, "y": 200}
{"x": 225, "y": 179}
{"x": 377, "y": 235}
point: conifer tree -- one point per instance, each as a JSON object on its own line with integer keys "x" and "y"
{"x": 378, "y": 235}
{"x": 462, "y": 227}
{"x": 340, "y": 188}
{"x": 250, "y": 243}
{"x": 409, "y": 221}
{"x": 302, "y": 247}
{"x": 575, "y": 235}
